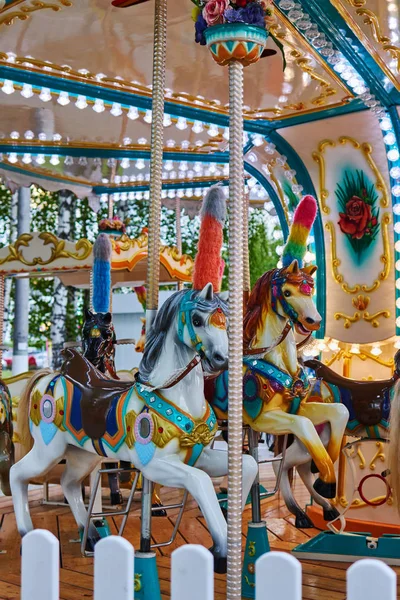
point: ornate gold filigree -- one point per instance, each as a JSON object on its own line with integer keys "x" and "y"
{"x": 385, "y": 259}
{"x": 59, "y": 418}
{"x": 364, "y": 355}
{"x": 164, "y": 431}
{"x": 8, "y": 18}
{"x": 373, "y": 319}
{"x": 361, "y": 302}
{"x": 34, "y": 413}
{"x": 201, "y": 434}
{"x": 379, "y": 455}
{"x": 83, "y": 249}
{"x": 130, "y": 419}
{"x": 372, "y": 20}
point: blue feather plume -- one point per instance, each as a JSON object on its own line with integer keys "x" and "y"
{"x": 102, "y": 273}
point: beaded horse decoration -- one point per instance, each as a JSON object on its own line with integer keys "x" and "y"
{"x": 275, "y": 387}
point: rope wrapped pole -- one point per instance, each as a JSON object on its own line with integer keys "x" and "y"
{"x": 246, "y": 261}
{"x": 235, "y": 384}
{"x": 156, "y": 157}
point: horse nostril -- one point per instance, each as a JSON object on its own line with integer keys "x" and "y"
{"x": 218, "y": 358}
{"x": 310, "y": 321}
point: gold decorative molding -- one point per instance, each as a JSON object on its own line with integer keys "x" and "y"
{"x": 385, "y": 259}
{"x": 364, "y": 355}
{"x": 83, "y": 249}
{"x": 379, "y": 455}
{"x": 8, "y": 16}
{"x": 130, "y": 419}
{"x": 373, "y": 319}
{"x": 372, "y": 20}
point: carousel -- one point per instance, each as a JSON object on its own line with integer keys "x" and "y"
{"x": 211, "y": 110}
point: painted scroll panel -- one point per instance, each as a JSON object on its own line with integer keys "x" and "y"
{"x": 349, "y": 170}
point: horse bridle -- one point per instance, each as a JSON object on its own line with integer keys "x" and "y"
{"x": 277, "y": 282}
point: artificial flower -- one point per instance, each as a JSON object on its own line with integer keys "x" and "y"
{"x": 254, "y": 14}
{"x": 241, "y": 3}
{"x": 196, "y": 11}
{"x": 233, "y": 15}
{"x": 213, "y": 12}
{"x": 200, "y": 27}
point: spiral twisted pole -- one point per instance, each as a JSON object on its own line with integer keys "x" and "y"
{"x": 156, "y": 156}
{"x": 246, "y": 260}
{"x": 235, "y": 383}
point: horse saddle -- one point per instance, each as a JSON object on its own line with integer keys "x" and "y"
{"x": 98, "y": 391}
{"x": 367, "y": 397}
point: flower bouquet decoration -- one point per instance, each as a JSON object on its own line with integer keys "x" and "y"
{"x": 114, "y": 226}
{"x": 235, "y": 29}
{"x": 358, "y": 211}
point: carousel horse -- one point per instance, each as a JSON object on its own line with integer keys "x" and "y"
{"x": 275, "y": 386}
{"x": 394, "y": 446}
{"x": 368, "y": 404}
{"x": 6, "y": 437}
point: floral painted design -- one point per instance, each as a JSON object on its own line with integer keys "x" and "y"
{"x": 359, "y": 215}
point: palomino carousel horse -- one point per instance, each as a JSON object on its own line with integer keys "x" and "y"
{"x": 368, "y": 403}
{"x": 275, "y": 387}
{"x": 6, "y": 436}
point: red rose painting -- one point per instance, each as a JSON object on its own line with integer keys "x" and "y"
{"x": 359, "y": 217}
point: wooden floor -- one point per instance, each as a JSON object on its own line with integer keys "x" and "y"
{"x": 321, "y": 580}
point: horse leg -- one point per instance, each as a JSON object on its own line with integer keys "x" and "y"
{"x": 78, "y": 466}
{"x": 173, "y": 473}
{"x": 336, "y": 415}
{"x": 278, "y": 422}
{"x": 215, "y": 464}
{"x": 295, "y": 456}
{"x": 330, "y": 512}
{"x": 39, "y": 461}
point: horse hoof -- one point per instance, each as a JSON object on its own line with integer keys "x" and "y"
{"x": 330, "y": 514}
{"x": 303, "y": 521}
{"x": 220, "y": 562}
{"x": 314, "y": 469}
{"x": 116, "y": 498}
{"x": 326, "y": 490}
{"x": 159, "y": 513}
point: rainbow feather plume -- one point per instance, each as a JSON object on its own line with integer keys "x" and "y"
{"x": 102, "y": 250}
{"x": 141, "y": 295}
{"x": 296, "y": 245}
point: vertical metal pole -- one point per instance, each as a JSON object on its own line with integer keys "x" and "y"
{"x": 110, "y": 206}
{"x": 153, "y": 262}
{"x": 21, "y": 317}
{"x": 255, "y": 488}
{"x": 235, "y": 385}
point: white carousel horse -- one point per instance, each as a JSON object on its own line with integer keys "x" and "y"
{"x": 162, "y": 424}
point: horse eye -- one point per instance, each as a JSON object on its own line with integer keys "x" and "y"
{"x": 196, "y": 322}
{"x": 287, "y": 294}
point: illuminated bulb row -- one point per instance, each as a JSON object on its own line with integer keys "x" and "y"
{"x": 131, "y": 195}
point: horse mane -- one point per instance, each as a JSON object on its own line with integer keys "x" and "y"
{"x": 164, "y": 320}
{"x": 256, "y": 307}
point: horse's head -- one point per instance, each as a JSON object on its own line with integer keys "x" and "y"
{"x": 142, "y": 340}
{"x": 291, "y": 297}
{"x": 98, "y": 337}
{"x": 202, "y": 325}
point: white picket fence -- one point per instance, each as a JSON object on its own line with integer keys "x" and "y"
{"x": 278, "y": 574}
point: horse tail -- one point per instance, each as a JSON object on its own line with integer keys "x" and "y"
{"x": 24, "y": 432}
{"x": 394, "y": 446}
{"x": 102, "y": 251}
{"x": 208, "y": 265}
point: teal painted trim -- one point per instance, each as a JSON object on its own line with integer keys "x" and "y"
{"x": 336, "y": 30}
{"x": 101, "y": 189}
{"x": 304, "y": 179}
{"x": 118, "y": 153}
{"x": 13, "y": 169}
{"x": 394, "y": 117}
{"x": 251, "y": 169}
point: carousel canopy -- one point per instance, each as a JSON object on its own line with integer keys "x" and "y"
{"x": 75, "y": 112}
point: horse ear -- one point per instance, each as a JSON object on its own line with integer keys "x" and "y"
{"x": 207, "y": 292}
{"x": 224, "y": 296}
{"x": 88, "y": 314}
{"x": 107, "y": 318}
{"x": 310, "y": 270}
{"x": 293, "y": 267}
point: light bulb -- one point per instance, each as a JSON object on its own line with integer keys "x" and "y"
{"x": 376, "y": 351}
{"x": 355, "y": 349}
{"x": 396, "y": 191}
{"x": 181, "y": 123}
{"x": 68, "y": 161}
{"x": 142, "y": 141}
{"x": 258, "y": 139}
{"x": 98, "y": 106}
{"x": 45, "y": 94}
{"x": 81, "y": 102}
{"x": 197, "y": 127}
{"x": 14, "y": 135}
{"x": 395, "y": 172}
{"x": 148, "y": 116}
{"x": 389, "y": 138}
{"x": 183, "y": 166}
{"x": 82, "y": 161}
{"x": 55, "y": 159}
{"x": 169, "y": 165}
{"x": 133, "y": 113}
{"x": 393, "y": 155}
{"x": 213, "y": 131}
{"x": 333, "y": 345}
{"x": 385, "y": 124}
{"x": 116, "y": 109}
{"x": 29, "y": 135}
{"x": 167, "y": 120}
{"x": 12, "y": 157}
{"x": 225, "y": 135}
{"x": 27, "y": 91}
{"x": 63, "y": 98}
{"x": 140, "y": 163}
{"x": 40, "y": 159}
{"x": 125, "y": 163}
{"x": 8, "y": 87}
{"x": 27, "y": 159}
